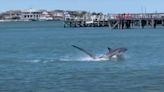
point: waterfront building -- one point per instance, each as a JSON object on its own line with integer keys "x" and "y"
{"x": 11, "y": 15}
{"x": 67, "y": 16}
{"x": 45, "y": 16}
{"x": 57, "y": 14}
{"x": 31, "y": 14}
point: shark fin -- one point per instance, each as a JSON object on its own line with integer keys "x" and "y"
{"x": 88, "y": 53}
{"x": 109, "y": 49}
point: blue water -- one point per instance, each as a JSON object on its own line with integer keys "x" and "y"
{"x": 38, "y": 57}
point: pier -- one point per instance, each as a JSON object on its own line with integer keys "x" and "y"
{"x": 117, "y": 21}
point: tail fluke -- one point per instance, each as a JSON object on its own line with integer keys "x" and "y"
{"x": 88, "y": 53}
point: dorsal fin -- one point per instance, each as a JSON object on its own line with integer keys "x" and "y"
{"x": 109, "y": 49}
{"x": 88, "y": 53}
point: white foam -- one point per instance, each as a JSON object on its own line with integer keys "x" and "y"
{"x": 39, "y": 60}
{"x": 85, "y": 58}
{"x": 34, "y": 61}
{"x": 72, "y": 58}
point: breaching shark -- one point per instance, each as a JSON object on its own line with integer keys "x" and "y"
{"x": 111, "y": 54}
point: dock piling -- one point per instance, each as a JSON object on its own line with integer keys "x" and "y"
{"x": 120, "y": 21}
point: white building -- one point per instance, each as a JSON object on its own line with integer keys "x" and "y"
{"x": 67, "y": 15}
{"x": 31, "y": 14}
{"x": 57, "y": 14}
{"x": 45, "y": 16}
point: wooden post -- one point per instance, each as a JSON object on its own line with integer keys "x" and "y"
{"x": 153, "y": 23}
{"x": 147, "y": 22}
{"x": 162, "y": 22}
{"x": 131, "y": 24}
{"x": 140, "y": 21}
{"x": 109, "y": 24}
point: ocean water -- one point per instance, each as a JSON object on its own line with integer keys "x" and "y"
{"x": 38, "y": 57}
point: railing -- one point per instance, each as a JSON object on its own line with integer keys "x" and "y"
{"x": 119, "y": 16}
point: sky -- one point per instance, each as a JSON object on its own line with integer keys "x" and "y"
{"x": 105, "y": 6}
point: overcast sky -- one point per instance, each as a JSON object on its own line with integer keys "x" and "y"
{"x": 105, "y": 6}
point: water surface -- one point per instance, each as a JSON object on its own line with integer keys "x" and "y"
{"x": 38, "y": 57}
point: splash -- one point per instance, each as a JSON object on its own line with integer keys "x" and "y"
{"x": 72, "y": 58}
{"x": 40, "y": 60}
{"x": 86, "y": 58}
{"x": 82, "y": 58}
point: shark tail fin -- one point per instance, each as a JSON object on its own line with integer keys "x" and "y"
{"x": 86, "y": 52}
